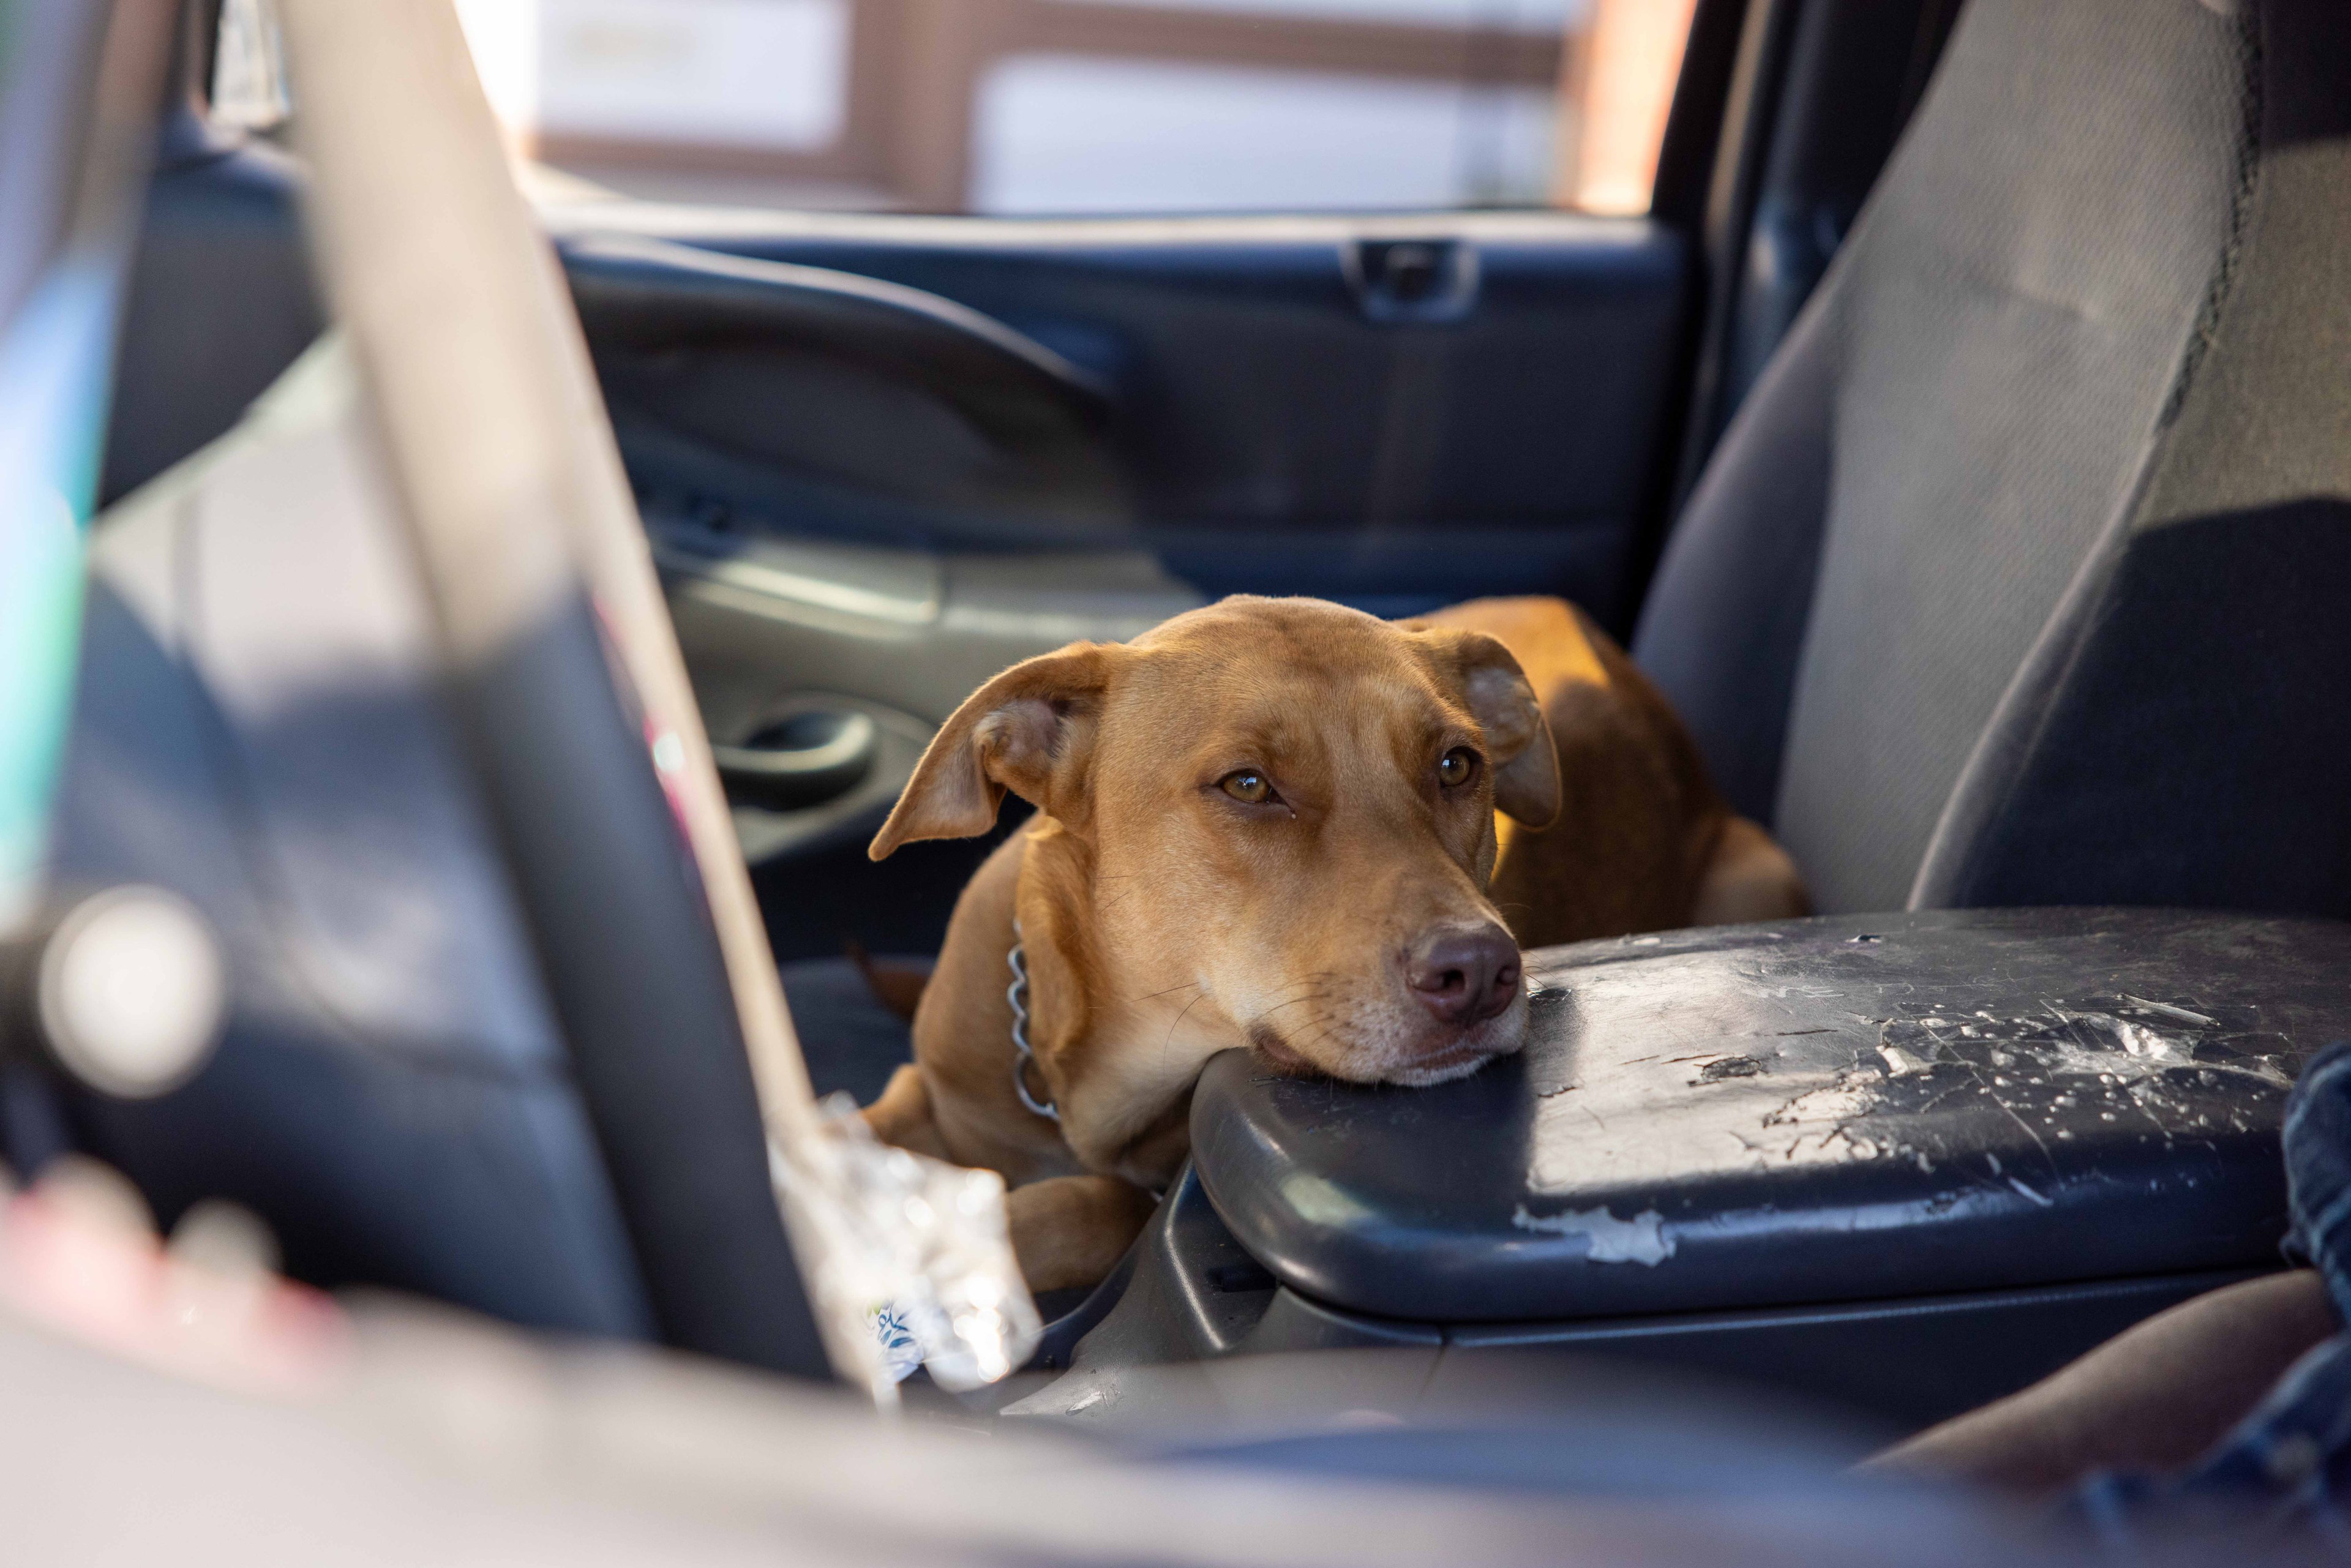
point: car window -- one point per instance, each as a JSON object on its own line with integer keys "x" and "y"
{"x": 1077, "y": 106}
{"x": 248, "y": 84}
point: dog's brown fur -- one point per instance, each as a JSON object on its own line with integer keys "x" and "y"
{"x": 1165, "y": 921}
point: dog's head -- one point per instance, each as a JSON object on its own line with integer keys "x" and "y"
{"x": 1287, "y": 804}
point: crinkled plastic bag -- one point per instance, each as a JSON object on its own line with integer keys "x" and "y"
{"x": 918, "y": 1249}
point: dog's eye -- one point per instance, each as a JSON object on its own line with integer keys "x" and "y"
{"x": 1247, "y": 786}
{"x": 1456, "y": 767}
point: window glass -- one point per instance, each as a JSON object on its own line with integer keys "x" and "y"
{"x": 1091, "y": 106}
{"x": 249, "y": 85}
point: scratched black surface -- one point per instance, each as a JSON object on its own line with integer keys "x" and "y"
{"x": 1823, "y": 1110}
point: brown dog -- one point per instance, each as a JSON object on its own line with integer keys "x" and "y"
{"x": 1272, "y": 824}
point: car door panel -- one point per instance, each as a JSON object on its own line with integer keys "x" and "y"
{"x": 833, "y": 403}
{"x": 1282, "y": 422}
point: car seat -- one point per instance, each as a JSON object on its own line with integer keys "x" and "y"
{"x": 2019, "y": 579}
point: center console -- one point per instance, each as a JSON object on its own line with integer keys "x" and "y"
{"x": 1908, "y": 1163}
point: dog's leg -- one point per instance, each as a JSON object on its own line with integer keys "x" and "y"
{"x": 1750, "y": 877}
{"x": 1069, "y": 1231}
{"x": 896, "y": 985}
{"x": 1066, "y": 1231}
{"x": 903, "y": 1116}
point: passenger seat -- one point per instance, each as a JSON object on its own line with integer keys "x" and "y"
{"x": 2024, "y": 575}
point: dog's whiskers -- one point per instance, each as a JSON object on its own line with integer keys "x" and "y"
{"x": 1307, "y": 1001}
{"x": 1306, "y": 981}
{"x": 1169, "y": 1043}
{"x": 1322, "y": 1030}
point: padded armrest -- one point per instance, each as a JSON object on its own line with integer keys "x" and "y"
{"x": 1818, "y": 1111}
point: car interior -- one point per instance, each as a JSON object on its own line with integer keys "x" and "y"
{"x": 1955, "y": 441}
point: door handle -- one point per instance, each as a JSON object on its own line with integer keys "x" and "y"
{"x": 806, "y": 759}
{"x": 1419, "y": 280}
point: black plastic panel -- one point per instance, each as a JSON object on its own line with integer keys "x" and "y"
{"x": 1824, "y": 1110}
{"x": 1188, "y": 1293}
{"x": 1912, "y": 1361}
{"x": 847, "y": 406}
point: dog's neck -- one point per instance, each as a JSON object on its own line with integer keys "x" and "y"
{"x": 1117, "y": 1044}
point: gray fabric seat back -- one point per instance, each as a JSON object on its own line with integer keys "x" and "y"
{"x": 2013, "y": 580}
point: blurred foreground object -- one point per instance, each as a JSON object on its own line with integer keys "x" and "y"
{"x": 76, "y": 94}
{"x": 180, "y": 1403}
{"x": 78, "y": 1254}
{"x": 920, "y": 1249}
{"x": 126, "y": 991}
{"x": 417, "y": 1435}
{"x": 572, "y": 701}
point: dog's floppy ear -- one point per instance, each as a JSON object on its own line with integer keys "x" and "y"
{"x": 1525, "y": 762}
{"x": 1029, "y": 730}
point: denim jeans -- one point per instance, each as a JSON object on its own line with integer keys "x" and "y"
{"x": 2285, "y": 1470}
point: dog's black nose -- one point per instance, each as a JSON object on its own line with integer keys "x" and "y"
{"x": 1463, "y": 974}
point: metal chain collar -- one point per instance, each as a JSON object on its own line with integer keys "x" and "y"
{"x": 1024, "y": 1056}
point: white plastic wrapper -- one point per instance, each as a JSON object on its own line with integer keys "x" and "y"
{"x": 918, "y": 1249}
